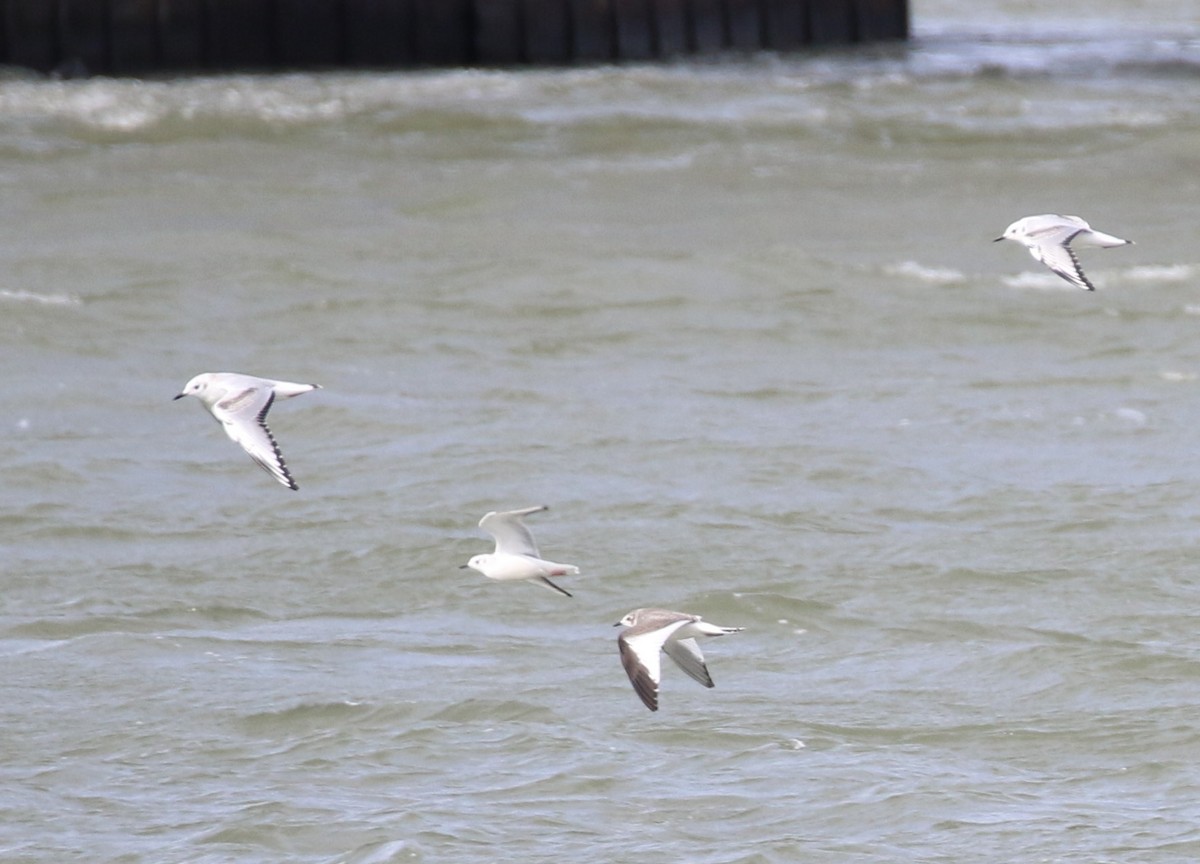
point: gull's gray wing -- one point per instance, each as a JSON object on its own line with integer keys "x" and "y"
{"x": 1061, "y": 259}
{"x": 511, "y": 534}
{"x": 243, "y": 415}
{"x": 1055, "y": 226}
{"x": 639, "y": 656}
{"x": 640, "y": 646}
{"x": 544, "y": 581}
{"x": 686, "y": 654}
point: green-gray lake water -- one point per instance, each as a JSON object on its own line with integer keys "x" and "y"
{"x": 741, "y": 324}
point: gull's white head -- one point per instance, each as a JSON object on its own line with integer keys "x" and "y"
{"x": 197, "y": 387}
{"x": 1015, "y": 231}
{"x": 629, "y": 620}
{"x": 478, "y": 562}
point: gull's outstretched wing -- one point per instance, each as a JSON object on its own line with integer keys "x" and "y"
{"x": 1061, "y": 259}
{"x": 640, "y": 646}
{"x": 686, "y": 654}
{"x": 243, "y": 416}
{"x": 511, "y": 534}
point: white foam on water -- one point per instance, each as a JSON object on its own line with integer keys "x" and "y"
{"x": 1160, "y": 273}
{"x": 21, "y": 296}
{"x": 922, "y": 273}
{"x": 1030, "y": 281}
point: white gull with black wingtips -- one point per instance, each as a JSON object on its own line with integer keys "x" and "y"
{"x": 240, "y": 404}
{"x": 1049, "y": 237}
{"x": 516, "y": 556}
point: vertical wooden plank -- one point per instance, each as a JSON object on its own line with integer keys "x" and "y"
{"x": 708, "y": 27}
{"x": 443, "y": 32}
{"x": 133, "y": 33}
{"x": 786, "y": 26}
{"x": 593, "y": 39}
{"x": 831, "y": 22}
{"x": 498, "y": 40}
{"x": 308, "y": 33}
{"x": 547, "y": 31}
{"x": 635, "y": 30}
{"x": 181, "y": 34}
{"x": 379, "y": 33}
{"x": 744, "y": 25}
{"x": 671, "y": 25}
{"x": 882, "y": 19}
{"x": 239, "y": 34}
{"x": 83, "y": 36}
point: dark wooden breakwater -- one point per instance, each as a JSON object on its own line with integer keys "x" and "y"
{"x": 120, "y": 37}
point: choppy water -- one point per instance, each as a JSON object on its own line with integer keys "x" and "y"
{"x": 740, "y": 324}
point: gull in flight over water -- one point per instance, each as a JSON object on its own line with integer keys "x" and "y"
{"x": 648, "y": 631}
{"x": 1048, "y": 239}
{"x": 516, "y": 555}
{"x": 240, "y": 404}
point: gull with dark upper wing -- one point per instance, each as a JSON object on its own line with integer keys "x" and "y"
{"x": 649, "y": 631}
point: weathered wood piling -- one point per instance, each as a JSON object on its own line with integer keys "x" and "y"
{"x": 123, "y": 37}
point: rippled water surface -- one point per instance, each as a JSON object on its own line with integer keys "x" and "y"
{"x": 741, "y": 325}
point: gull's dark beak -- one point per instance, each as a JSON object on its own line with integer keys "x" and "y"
{"x": 618, "y": 624}
{"x": 463, "y": 566}
{"x": 178, "y": 396}
{"x": 998, "y": 239}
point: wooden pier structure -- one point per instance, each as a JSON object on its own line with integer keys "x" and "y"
{"x": 137, "y": 37}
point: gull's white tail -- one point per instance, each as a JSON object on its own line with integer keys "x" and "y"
{"x": 288, "y": 389}
{"x": 1099, "y": 238}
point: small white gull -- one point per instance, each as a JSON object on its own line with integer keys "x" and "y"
{"x": 516, "y": 556}
{"x": 240, "y": 404}
{"x": 1048, "y": 238}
